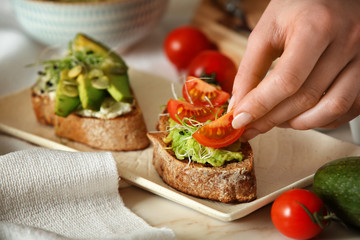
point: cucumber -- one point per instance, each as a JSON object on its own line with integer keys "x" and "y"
{"x": 337, "y": 183}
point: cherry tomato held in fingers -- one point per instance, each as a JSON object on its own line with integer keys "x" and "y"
{"x": 289, "y": 216}
{"x": 214, "y": 66}
{"x": 200, "y": 93}
{"x": 183, "y": 44}
{"x": 180, "y": 109}
{"x": 218, "y": 133}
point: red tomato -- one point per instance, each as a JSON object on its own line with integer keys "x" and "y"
{"x": 214, "y": 64}
{"x": 183, "y": 44}
{"x": 290, "y": 218}
{"x": 184, "y": 109}
{"x": 218, "y": 133}
{"x": 199, "y": 93}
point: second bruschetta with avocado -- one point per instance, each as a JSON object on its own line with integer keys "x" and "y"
{"x": 87, "y": 97}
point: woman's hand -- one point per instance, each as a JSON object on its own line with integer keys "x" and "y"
{"x": 316, "y": 80}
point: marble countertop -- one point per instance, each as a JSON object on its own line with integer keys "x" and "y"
{"x": 148, "y": 56}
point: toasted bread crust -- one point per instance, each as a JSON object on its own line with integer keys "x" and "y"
{"x": 43, "y": 108}
{"x": 124, "y": 133}
{"x": 233, "y": 182}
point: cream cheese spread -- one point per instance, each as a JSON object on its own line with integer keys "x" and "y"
{"x": 109, "y": 109}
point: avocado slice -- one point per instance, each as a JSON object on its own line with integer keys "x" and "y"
{"x": 84, "y": 43}
{"x": 115, "y": 68}
{"x": 91, "y": 98}
{"x": 119, "y": 88}
{"x": 64, "y": 104}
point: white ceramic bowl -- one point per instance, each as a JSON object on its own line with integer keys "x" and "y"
{"x": 116, "y": 23}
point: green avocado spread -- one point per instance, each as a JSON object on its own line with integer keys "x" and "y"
{"x": 186, "y": 147}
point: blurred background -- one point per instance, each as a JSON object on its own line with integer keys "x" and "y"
{"x": 18, "y": 49}
{"x": 226, "y": 22}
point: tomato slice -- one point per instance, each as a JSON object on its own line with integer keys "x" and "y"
{"x": 200, "y": 93}
{"x": 184, "y": 109}
{"x": 218, "y": 133}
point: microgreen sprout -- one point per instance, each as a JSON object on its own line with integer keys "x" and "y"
{"x": 208, "y": 100}
{"x": 187, "y": 92}
{"x": 50, "y": 76}
{"x": 182, "y": 150}
{"x": 173, "y": 90}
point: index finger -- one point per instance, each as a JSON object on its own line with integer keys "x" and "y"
{"x": 301, "y": 52}
{"x": 256, "y": 61}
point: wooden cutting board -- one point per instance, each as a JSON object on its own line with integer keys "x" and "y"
{"x": 218, "y": 25}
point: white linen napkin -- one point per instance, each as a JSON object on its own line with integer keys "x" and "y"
{"x": 51, "y": 194}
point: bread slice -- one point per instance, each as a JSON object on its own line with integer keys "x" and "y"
{"x": 43, "y": 108}
{"x": 124, "y": 133}
{"x": 233, "y": 182}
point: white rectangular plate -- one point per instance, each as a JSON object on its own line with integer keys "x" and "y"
{"x": 284, "y": 158}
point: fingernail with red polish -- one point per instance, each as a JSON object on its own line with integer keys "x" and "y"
{"x": 241, "y": 120}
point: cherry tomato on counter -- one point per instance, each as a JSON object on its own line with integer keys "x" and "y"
{"x": 291, "y": 219}
{"x": 184, "y": 43}
{"x": 181, "y": 109}
{"x": 200, "y": 93}
{"x": 216, "y": 66}
{"x": 218, "y": 133}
